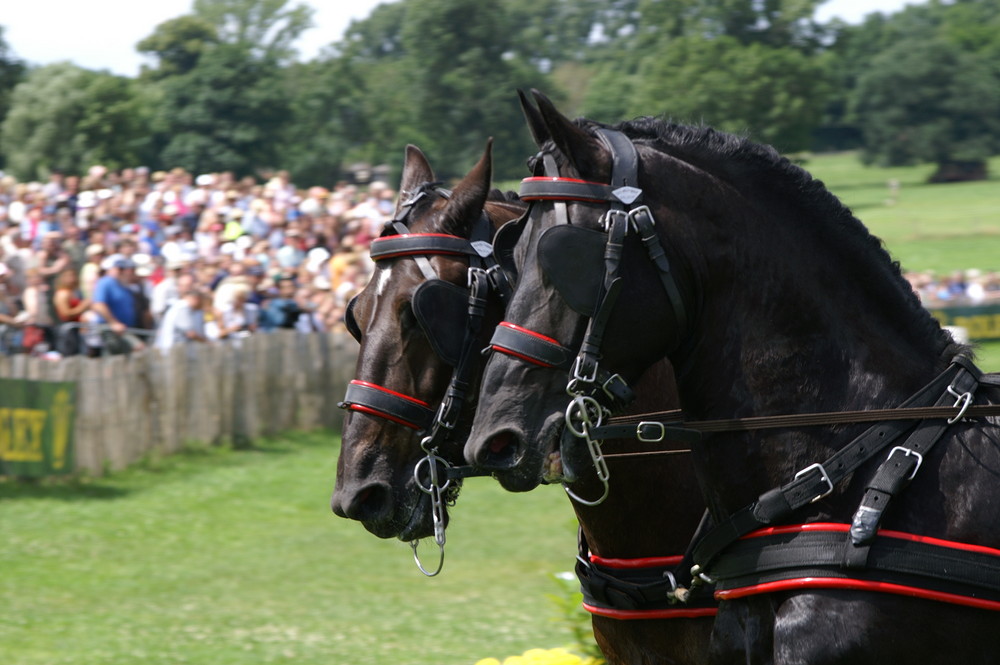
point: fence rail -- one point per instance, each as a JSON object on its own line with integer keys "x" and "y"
{"x": 129, "y": 406}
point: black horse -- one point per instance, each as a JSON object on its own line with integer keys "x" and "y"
{"x": 839, "y": 541}
{"x": 376, "y": 479}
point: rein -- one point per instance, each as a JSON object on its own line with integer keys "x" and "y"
{"x": 433, "y": 474}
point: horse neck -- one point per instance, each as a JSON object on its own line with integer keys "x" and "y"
{"x": 794, "y": 320}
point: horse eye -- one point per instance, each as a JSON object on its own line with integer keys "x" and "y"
{"x": 407, "y": 319}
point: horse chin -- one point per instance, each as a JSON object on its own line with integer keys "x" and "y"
{"x": 537, "y": 463}
{"x": 420, "y": 523}
{"x": 412, "y": 518}
{"x": 568, "y": 462}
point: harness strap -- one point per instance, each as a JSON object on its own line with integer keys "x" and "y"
{"x": 808, "y": 556}
{"x": 643, "y": 588}
{"x": 644, "y": 225}
{"x": 564, "y": 189}
{"x": 397, "y": 407}
{"x": 416, "y": 244}
{"x": 530, "y": 346}
{"x": 818, "y": 480}
{"x": 899, "y": 468}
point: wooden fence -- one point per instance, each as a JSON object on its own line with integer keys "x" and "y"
{"x": 130, "y": 406}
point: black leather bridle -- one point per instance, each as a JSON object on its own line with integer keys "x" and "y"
{"x": 595, "y": 392}
{"x": 436, "y": 304}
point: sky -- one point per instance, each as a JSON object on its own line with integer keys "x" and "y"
{"x": 102, "y": 34}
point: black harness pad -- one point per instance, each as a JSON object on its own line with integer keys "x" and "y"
{"x": 443, "y": 311}
{"x": 572, "y": 260}
{"x": 504, "y": 242}
{"x": 350, "y": 322}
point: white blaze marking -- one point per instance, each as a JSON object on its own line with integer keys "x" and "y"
{"x": 383, "y": 280}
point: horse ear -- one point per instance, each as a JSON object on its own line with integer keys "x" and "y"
{"x": 469, "y": 196}
{"x": 536, "y": 124}
{"x": 585, "y": 152}
{"x": 416, "y": 171}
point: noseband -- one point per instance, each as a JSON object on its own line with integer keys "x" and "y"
{"x": 436, "y": 304}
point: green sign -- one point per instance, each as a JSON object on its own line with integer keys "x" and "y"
{"x": 36, "y": 427}
{"x": 981, "y": 322}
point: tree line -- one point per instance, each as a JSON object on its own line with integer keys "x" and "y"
{"x": 224, "y": 91}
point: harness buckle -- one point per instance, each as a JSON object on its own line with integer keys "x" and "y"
{"x": 962, "y": 402}
{"x": 907, "y": 453}
{"x": 650, "y": 431}
{"x": 617, "y": 389}
{"x": 823, "y": 476}
{"x": 581, "y": 374}
{"x": 608, "y": 219}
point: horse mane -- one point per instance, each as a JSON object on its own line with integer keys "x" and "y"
{"x": 757, "y": 168}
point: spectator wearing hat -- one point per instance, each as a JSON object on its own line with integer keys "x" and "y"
{"x": 283, "y": 310}
{"x": 91, "y": 270}
{"x": 291, "y": 255}
{"x": 184, "y": 322}
{"x": 236, "y": 317}
{"x": 169, "y": 289}
{"x": 115, "y": 303}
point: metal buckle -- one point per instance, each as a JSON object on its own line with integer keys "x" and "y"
{"x": 699, "y": 577}
{"x": 823, "y": 476}
{"x": 645, "y": 425}
{"x": 907, "y": 452}
{"x": 963, "y": 400}
{"x": 607, "y": 220}
{"x": 578, "y": 371}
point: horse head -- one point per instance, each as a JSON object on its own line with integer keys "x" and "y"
{"x": 408, "y": 408}
{"x": 566, "y": 279}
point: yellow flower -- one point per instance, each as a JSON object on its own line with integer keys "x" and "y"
{"x": 542, "y": 657}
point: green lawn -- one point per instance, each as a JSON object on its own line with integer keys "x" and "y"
{"x": 942, "y": 227}
{"x": 939, "y": 228}
{"x": 234, "y": 558}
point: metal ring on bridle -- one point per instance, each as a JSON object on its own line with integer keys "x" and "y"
{"x": 582, "y": 414}
{"x": 431, "y": 461}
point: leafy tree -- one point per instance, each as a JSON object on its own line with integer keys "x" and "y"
{"x": 12, "y": 71}
{"x": 464, "y": 82}
{"x": 266, "y": 28}
{"x": 63, "y": 116}
{"x": 930, "y": 101}
{"x": 328, "y": 122}
{"x": 225, "y": 114}
{"x": 774, "y": 94}
{"x": 177, "y": 45}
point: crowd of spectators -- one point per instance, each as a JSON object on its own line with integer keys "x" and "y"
{"x": 113, "y": 261}
{"x": 971, "y": 287}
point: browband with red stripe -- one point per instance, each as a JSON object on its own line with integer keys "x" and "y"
{"x": 413, "y": 244}
{"x": 565, "y": 189}
{"x": 530, "y": 346}
{"x": 375, "y": 400}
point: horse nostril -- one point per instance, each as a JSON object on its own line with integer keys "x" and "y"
{"x": 500, "y": 451}
{"x": 369, "y": 503}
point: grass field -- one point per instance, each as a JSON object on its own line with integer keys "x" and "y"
{"x": 234, "y": 558}
{"x": 938, "y": 228}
